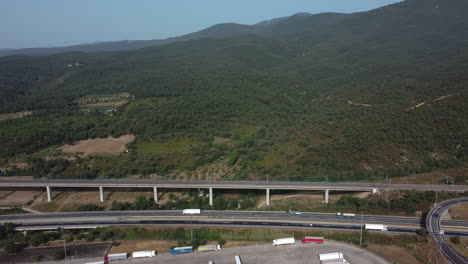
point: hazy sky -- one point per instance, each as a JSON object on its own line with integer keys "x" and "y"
{"x": 46, "y": 23}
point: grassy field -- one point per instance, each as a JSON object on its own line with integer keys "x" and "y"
{"x": 173, "y": 145}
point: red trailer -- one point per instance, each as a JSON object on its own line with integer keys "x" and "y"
{"x": 313, "y": 240}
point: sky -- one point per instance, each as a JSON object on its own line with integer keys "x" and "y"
{"x": 52, "y": 23}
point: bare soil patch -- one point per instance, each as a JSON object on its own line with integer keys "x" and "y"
{"x": 433, "y": 177}
{"x": 18, "y": 198}
{"x": 462, "y": 247}
{"x": 15, "y": 115}
{"x": 459, "y": 212}
{"x": 396, "y": 255}
{"x": 107, "y": 145}
{"x": 70, "y": 201}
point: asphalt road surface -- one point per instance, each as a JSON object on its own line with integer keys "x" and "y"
{"x": 257, "y": 215}
{"x": 433, "y": 224}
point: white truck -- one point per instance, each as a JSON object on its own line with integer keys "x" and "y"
{"x": 144, "y": 254}
{"x": 345, "y": 215}
{"x": 238, "y": 259}
{"x": 376, "y": 227}
{"x": 191, "y": 211}
{"x": 332, "y": 258}
{"x": 117, "y": 256}
{"x": 283, "y": 241}
{"x": 206, "y": 248}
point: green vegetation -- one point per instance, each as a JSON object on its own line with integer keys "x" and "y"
{"x": 88, "y": 208}
{"x": 59, "y": 255}
{"x": 14, "y": 210}
{"x": 455, "y": 240}
{"x": 408, "y": 202}
{"x": 323, "y": 104}
{"x": 168, "y": 146}
{"x": 192, "y": 200}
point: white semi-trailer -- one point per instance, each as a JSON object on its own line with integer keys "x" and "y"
{"x": 144, "y": 254}
{"x": 283, "y": 241}
{"x": 334, "y": 261}
{"x": 376, "y": 227}
{"x": 331, "y": 256}
{"x": 191, "y": 211}
{"x": 117, "y": 256}
{"x": 238, "y": 260}
{"x": 206, "y": 248}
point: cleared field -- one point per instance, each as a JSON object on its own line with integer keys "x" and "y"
{"x": 433, "y": 177}
{"x": 107, "y": 145}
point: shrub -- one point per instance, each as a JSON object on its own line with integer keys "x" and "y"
{"x": 59, "y": 255}
{"x": 423, "y": 232}
{"x": 455, "y": 240}
{"x": 10, "y": 247}
{"x": 222, "y": 242}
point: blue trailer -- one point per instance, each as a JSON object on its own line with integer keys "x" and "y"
{"x": 181, "y": 250}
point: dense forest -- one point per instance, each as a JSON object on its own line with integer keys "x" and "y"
{"x": 360, "y": 97}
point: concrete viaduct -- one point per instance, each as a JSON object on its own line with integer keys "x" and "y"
{"x": 233, "y": 185}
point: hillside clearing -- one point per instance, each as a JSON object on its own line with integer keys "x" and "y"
{"x": 107, "y": 145}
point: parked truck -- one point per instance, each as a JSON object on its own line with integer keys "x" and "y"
{"x": 335, "y": 261}
{"x": 344, "y": 215}
{"x": 206, "y": 248}
{"x": 331, "y": 256}
{"x": 283, "y": 241}
{"x": 376, "y": 227}
{"x": 191, "y": 211}
{"x": 313, "y": 240}
{"x": 238, "y": 259}
{"x": 144, "y": 254}
{"x": 181, "y": 250}
{"x": 117, "y": 256}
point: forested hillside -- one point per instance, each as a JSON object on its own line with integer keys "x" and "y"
{"x": 352, "y": 97}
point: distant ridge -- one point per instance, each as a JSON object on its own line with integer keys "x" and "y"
{"x": 291, "y": 24}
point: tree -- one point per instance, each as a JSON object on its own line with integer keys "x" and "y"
{"x": 38, "y": 239}
{"x": 59, "y": 255}
{"x": 10, "y": 247}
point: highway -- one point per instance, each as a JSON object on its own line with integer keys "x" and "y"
{"x": 88, "y": 223}
{"x": 237, "y": 218}
{"x": 257, "y": 215}
{"x": 190, "y": 184}
{"x": 433, "y": 223}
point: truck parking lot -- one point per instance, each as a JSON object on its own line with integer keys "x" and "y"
{"x": 292, "y": 254}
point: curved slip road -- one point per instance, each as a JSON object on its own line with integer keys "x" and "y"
{"x": 433, "y": 223}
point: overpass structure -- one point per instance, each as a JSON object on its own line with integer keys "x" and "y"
{"x": 434, "y": 227}
{"x": 156, "y": 185}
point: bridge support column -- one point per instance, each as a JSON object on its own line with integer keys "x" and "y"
{"x": 155, "y": 191}
{"x": 101, "y": 193}
{"x": 49, "y": 194}
{"x": 211, "y": 196}
{"x": 326, "y": 196}
{"x": 268, "y": 197}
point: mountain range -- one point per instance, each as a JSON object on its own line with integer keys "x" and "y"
{"x": 292, "y": 24}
